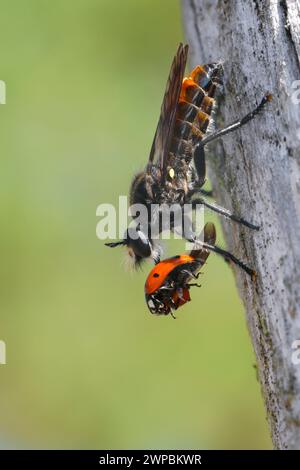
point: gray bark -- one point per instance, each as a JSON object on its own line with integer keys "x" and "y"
{"x": 256, "y": 173}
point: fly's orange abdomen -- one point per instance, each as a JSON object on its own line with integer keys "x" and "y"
{"x": 195, "y": 106}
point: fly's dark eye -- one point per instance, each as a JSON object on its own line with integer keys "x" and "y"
{"x": 155, "y": 275}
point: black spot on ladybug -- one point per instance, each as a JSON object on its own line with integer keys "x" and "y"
{"x": 155, "y": 275}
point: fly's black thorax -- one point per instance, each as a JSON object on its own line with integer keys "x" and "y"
{"x": 147, "y": 187}
{"x": 179, "y": 175}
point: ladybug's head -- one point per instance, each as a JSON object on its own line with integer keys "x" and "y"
{"x": 158, "y": 303}
{"x": 138, "y": 246}
{"x": 166, "y": 299}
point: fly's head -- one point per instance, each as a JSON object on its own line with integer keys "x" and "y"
{"x": 138, "y": 246}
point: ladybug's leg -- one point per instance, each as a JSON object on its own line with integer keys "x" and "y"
{"x": 224, "y": 212}
{"x": 236, "y": 124}
{"x": 191, "y": 274}
{"x": 197, "y": 275}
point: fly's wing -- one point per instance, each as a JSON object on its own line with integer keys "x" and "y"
{"x": 164, "y": 132}
{"x": 209, "y": 237}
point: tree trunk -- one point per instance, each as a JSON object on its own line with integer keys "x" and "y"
{"x": 255, "y": 172}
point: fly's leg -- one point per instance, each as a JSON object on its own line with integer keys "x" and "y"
{"x": 193, "y": 285}
{"x": 227, "y": 256}
{"x": 207, "y": 193}
{"x": 236, "y": 124}
{"x": 186, "y": 230}
{"x": 199, "y": 162}
{"x": 198, "y": 189}
{"x": 224, "y": 212}
{"x": 114, "y": 244}
{"x": 200, "y": 165}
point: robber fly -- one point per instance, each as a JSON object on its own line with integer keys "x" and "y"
{"x": 168, "y": 284}
{"x": 176, "y": 172}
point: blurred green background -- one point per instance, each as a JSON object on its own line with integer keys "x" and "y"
{"x": 87, "y": 365}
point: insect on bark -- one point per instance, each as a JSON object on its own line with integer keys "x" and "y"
{"x": 176, "y": 169}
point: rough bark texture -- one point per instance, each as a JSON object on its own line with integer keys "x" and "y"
{"x": 256, "y": 173}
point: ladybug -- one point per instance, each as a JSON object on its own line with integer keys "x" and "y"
{"x": 168, "y": 283}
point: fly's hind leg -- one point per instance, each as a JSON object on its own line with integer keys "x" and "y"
{"x": 236, "y": 124}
